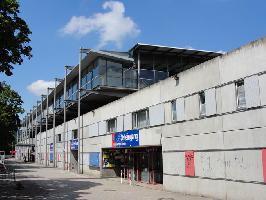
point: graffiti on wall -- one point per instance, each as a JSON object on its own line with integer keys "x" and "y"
{"x": 189, "y": 163}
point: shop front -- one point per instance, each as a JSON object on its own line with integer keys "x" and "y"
{"x": 128, "y": 159}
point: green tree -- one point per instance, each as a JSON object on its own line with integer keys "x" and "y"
{"x": 10, "y": 108}
{"x": 14, "y": 37}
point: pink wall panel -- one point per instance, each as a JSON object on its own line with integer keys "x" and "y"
{"x": 189, "y": 163}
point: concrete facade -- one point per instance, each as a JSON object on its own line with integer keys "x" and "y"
{"x": 219, "y": 154}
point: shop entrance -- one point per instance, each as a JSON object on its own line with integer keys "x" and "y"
{"x": 73, "y": 161}
{"x": 140, "y": 164}
{"x": 73, "y": 164}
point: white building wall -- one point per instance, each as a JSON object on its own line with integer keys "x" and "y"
{"x": 227, "y": 143}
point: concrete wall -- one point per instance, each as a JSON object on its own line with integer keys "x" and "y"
{"x": 217, "y": 155}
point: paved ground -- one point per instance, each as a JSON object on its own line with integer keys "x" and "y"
{"x": 48, "y": 183}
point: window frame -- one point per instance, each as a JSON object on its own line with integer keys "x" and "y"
{"x": 202, "y": 105}
{"x": 173, "y": 113}
{"x": 237, "y": 85}
{"x": 107, "y": 125}
{"x": 135, "y": 119}
{"x": 59, "y": 138}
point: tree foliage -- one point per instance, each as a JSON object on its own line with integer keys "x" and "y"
{"x": 14, "y": 37}
{"x": 10, "y": 108}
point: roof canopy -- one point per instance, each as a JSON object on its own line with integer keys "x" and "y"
{"x": 172, "y": 50}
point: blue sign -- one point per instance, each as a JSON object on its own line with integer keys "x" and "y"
{"x": 94, "y": 159}
{"x": 51, "y": 147}
{"x": 126, "y": 139}
{"x": 51, "y": 156}
{"x": 74, "y": 144}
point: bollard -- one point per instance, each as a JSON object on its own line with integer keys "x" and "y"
{"x": 121, "y": 176}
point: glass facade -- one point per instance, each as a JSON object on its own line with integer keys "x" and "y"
{"x": 105, "y": 72}
{"x": 59, "y": 102}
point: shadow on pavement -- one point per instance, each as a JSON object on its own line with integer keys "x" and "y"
{"x": 45, "y": 189}
{"x": 36, "y": 187}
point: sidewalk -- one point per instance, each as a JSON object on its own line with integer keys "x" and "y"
{"x": 49, "y": 183}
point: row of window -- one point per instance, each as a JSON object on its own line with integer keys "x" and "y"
{"x": 240, "y": 101}
{"x": 140, "y": 119}
{"x": 155, "y": 114}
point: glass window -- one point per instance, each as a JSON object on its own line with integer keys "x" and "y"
{"x": 240, "y": 94}
{"x": 111, "y": 125}
{"x": 173, "y": 106}
{"x": 59, "y": 139}
{"x": 75, "y": 134}
{"x": 84, "y": 78}
{"x": 202, "y": 104}
{"x": 99, "y": 73}
{"x": 130, "y": 78}
{"x": 74, "y": 91}
{"x": 160, "y": 75}
{"x": 89, "y": 77}
{"x": 114, "y": 74}
{"x": 147, "y": 74}
{"x": 95, "y": 77}
{"x": 141, "y": 119}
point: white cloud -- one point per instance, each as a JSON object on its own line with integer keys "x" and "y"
{"x": 39, "y": 87}
{"x": 113, "y": 26}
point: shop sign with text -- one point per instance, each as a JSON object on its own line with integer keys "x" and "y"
{"x": 74, "y": 144}
{"x": 126, "y": 139}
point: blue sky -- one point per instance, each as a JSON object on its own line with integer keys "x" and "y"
{"x": 60, "y": 27}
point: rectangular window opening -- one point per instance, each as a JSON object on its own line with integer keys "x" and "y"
{"x": 140, "y": 119}
{"x": 111, "y": 125}
{"x": 202, "y": 104}
{"x": 173, "y": 110}
{"x": 240, "y": 95}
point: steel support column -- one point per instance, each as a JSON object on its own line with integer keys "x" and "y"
{"x": 138, "y": 70}
{"x": 79, "y": 90}
{"x": 46, "y": 128}
{"x": 54, "y": 153}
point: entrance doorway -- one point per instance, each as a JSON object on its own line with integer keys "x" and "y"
{"x": 73, "y": 164}
{"x": 73, "y": 161}
{"x": 140, "y": 164}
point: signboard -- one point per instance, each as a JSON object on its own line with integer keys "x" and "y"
{"x": 189, "y": 163}
{"x": 74, "y": 145}
{"x": 51, "y": 156}
{"x": 94, "y": 159}
{"x": 51, "y": 147}
{"x": 126, "y": 139}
